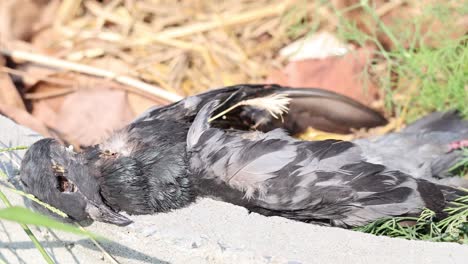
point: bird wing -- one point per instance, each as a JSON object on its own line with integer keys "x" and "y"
{"x": 322, "y": 180}
{"x": 309, "y": 107}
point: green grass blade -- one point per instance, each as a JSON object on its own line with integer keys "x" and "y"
{"x": 33, "y": 198}
{"x": 25, "y": 216}
{"x": 13, "y": 148}
{"x": 28, "y": 231}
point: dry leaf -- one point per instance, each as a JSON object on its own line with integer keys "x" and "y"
{"x": 82, "y": 112}
{"x": 25, "y": 119}
{"x": 19, "y": 18}
{"x": 88, "y": 115}
{"x": 339, "y": 74}
{"x": 9, "y": 95}
{"x": 140, "y": 104}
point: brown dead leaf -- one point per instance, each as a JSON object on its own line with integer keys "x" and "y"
{"x": 19, "y": 19}
{"x": 83, "y": 112}
{"x": 140, "y": 104}
{"x": 87, "y": 116}
{"x": 339, "y": 74}
{"x": 9, "y": 95}
{"x": 34, "y": 73}
{"x": 84, "y": 109}
{"x": 47, "y": 90}
{"x": 23, "y": 118}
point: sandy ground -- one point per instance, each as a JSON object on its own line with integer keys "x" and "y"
{"x": 207, "y": 232}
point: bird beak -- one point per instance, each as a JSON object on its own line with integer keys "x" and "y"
{"x": 103, "y": 213}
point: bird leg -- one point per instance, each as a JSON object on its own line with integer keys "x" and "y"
{"x": 458, "y": 144}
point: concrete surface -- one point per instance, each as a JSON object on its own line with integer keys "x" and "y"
{"x": 208, "y": 232}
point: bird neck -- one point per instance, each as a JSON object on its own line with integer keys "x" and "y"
{"x": 136, "y": 187}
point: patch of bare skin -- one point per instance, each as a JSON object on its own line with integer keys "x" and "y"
{"x": 117, "y": 145}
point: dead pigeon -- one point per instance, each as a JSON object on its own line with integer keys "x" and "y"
{"x": 153, "y": 166}
{"x": 50, "y": 161}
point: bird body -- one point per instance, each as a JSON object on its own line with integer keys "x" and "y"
{"x": 422, "y": 149}
{"x": 324, "y": 181}
{"x": 170, "y": 156}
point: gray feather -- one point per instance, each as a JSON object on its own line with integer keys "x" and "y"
{"x": 421, "y": 149}
{"x": 308, "y": 181}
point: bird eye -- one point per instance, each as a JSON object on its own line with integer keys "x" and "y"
{"x": 64, "y": 185}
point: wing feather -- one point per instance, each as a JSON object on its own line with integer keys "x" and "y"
{"x": 308, "y": 181}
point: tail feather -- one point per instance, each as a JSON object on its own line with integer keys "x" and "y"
{"x": 439, "y": 197}
{"x": 451, "y": 193}
{"x": 433, "y": 195}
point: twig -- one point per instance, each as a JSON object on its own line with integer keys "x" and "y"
{"x": 242, "y": 18}
{"x": 35, "y": 77}
{"x": 51, "y": 94}
{"x": 34, "y": 198}
{"x": 102, "y": 19}
{"x": 77, "y": 67}
{"x": 216, "y": 22}
{"x": 67, "y": 10}
{"x": 64, "y": 82}
{"x": 146, "y": 32}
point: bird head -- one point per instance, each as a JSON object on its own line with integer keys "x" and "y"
{"x": 60, "y": 177}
